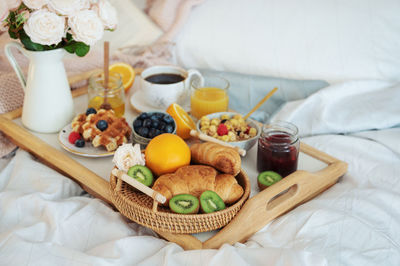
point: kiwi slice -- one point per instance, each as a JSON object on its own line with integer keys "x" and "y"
{"x": 211, "y": 202}
{"x": 184, "y": 203}
{"x": 267, "y": 178}
{"x": 141, "y": 174}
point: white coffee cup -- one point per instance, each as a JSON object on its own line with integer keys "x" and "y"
{"x": 160, "y": 95}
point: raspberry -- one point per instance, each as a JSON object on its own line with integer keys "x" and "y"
{"x": 73, "y": 136}
{"x": 247, "y": 130}
{"x": 222, "y": 130}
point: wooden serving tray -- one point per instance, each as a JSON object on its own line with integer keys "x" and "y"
{"x": 258, "y": 210}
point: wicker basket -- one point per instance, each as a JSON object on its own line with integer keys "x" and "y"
{"x": 141, "y": 209}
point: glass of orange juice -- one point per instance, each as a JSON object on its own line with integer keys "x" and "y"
{"x": 115, "y": 92}
{"x": 210, "y": 96}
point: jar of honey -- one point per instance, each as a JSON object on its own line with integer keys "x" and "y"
{"x": 113, "y": 95}
{"x": 278, "y": 148}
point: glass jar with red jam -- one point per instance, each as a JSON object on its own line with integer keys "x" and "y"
{"x": 278, "y": 148}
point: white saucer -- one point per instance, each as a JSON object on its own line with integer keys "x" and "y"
{"x": 138, "y": 102}
{"x": 87, "y": 151}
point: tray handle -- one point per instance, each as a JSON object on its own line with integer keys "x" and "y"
{"x": 278, "y": 199}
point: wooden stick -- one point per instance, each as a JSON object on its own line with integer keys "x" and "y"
{"x": 136, "y": 184}
{"x": 260, "y": 103}
{"x": 105, "y": 104}
{"x": 205, "y": 137}
{"x": 106, "y": 64}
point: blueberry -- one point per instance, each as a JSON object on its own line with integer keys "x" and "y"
{"x": 80, "y": 143}
{"x": 155, "y": 124}
{"x": 152, "y": 133}
{"x": 162, "y": 125}
{"x": 169, "y": 129}
{"x": 146, "y": 122}
{"x": 137, "y": 123}
{"x": 144, "y": 132}
{"x": 143, "y": 116}
{"x": 91, "y": 110}
{"x": 159, "y": 115}
{"x": 102, "y": 125}
{"x": 158, "y": 132}
{"x": 168, "y": 119}
{"x": 153, "y": 117}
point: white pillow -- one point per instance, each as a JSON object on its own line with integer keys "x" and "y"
{"x": 134, "y": 27}
{"x": 303, "y": 39}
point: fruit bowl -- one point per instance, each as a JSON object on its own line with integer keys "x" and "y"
{"x": 243, "y": 144}
{"x": 143, "y": 141}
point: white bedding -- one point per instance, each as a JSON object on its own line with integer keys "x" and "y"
{"x": 47, "y": 219}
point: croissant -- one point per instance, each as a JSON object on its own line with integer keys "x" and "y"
{"x": 224, "y": 159}
{"x": 195, "y": 179}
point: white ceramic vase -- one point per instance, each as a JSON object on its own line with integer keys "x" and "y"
{"x": 48, "y": 104}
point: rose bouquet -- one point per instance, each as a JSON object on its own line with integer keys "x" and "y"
{"x": 43, "y": 25}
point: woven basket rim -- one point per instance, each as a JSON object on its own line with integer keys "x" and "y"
{"x": 245, "y": 183}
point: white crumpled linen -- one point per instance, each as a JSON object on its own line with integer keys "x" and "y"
{"x": 47, "y": 219}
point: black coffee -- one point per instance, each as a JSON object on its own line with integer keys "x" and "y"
{"x": 164, "y": 78}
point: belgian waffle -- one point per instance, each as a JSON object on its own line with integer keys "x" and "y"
{"x": 117, "y": 132}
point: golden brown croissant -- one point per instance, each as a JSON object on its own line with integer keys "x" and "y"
{"x": 195, "y": 179}
{"x": 224, "y": 159}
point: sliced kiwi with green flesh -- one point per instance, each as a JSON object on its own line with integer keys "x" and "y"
{"x": 267, "y": 178}
{"x": 184, "y": 204}
{"x": 141, "y": 174}
{"x": 211, "y": 202}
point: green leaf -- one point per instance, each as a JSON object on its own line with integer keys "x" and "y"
{"x": 81, "y": 49}
{"x": 12, "y": 33}
{"x": 70, "y": 48}
{"x": 29, "y": 45}
{"x": 69, "y": 37}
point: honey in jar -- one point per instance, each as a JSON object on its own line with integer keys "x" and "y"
{"x": 114, "y": 92}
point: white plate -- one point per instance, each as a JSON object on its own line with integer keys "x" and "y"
{"x": 138, "y": 102}
{"x": 87, "y": 151}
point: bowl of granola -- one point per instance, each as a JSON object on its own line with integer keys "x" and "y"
{"x": 230, "y": 127}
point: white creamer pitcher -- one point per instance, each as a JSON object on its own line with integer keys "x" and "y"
{"x": 48, "y": 104}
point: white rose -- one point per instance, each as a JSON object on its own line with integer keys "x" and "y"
{"x": 86, "y": 27}
{"x": 67, "y": 7}
{"x": 35, "y": 4}
{"x": 45, "y": 27}
{"x": 13, "y": 4}
{"x": 107, "y": 14}
{"x": 127, "y": 156}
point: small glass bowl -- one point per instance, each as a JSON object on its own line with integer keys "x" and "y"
{"x": 142, "y": 140}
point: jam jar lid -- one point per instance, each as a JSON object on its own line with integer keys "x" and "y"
{"x": 280, "y": 133}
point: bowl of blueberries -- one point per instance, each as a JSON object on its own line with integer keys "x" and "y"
{"x": 151, "y": 124}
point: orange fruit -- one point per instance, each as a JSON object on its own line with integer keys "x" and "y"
{"x": 127, "y": 74}
{"x": 184, "y": 123}
{"x": 166, "y": 153}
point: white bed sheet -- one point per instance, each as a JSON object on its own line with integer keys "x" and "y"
{"x": 47, "y": 219}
